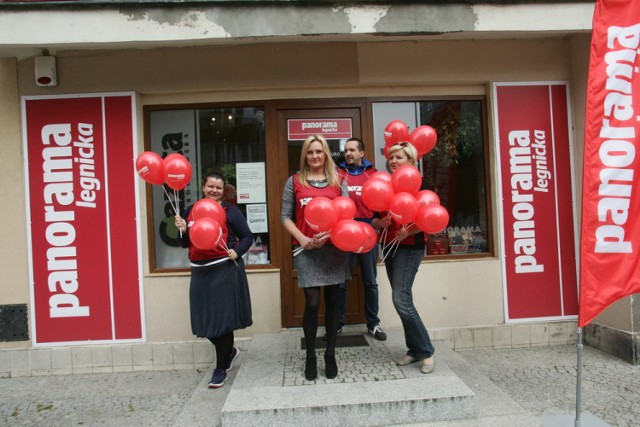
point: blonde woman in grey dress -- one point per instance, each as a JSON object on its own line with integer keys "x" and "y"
{"x": 320, "y": 265}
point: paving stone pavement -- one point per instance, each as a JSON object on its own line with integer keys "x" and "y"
{"x": 136, "y": 398}
{"x": 542, "y": 380}
{"x": 356, "y": 364}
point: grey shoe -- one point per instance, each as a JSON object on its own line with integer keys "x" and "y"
{"x": 406, "y": 360}
{"x": 427, "y": 368}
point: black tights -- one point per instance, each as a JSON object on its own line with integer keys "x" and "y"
{"x": 310, "y": 318}
{"x": 223, "y": 345}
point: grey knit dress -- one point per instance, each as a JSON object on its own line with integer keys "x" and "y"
{"x": 327, "y": 265}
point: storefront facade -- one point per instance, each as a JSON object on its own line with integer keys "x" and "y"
{"x": 237, "y": 91}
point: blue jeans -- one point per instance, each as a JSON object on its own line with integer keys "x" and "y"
{"x": 367, "y": 263}
{"x": 401, "y": 270}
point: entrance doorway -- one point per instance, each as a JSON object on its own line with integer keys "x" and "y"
{"x": 294, "y": 125}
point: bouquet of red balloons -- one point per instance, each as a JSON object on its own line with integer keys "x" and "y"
{"x": 399, "y": 193}
{"x": 174, "y": 170}
{"x": 334, "y": 219}
{"x": 423, "y": 137}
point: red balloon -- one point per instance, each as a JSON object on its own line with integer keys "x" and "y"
{"x": 320, "y": 214}
{"x": 177, "y": 171}
{"x": 406, "y": 178}
{"x": 385, "y": 176}
{"x": 150, "y": 167}
{"x": 348, "y": 235}
{"x": 171, "y": 156}
{"x": 345, "y": 208}
{"x": 432, "y": 218}
{"x": 205, "y": 233}
{"x": 424, "y": 139}
{"x": 377, "y": 194}
{"x": 370, "y": 239}
{"x": 208, "y": 208}
{"x": 403, "y": 208}
{"x": 426, "y": 197}
{"x": 396, "y": 131}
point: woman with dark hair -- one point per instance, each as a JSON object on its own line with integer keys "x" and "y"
{"x": 320, "y": 265}
{"x": 219, "y": 292}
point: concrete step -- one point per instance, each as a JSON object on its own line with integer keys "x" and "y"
{"x": 370, "y": 389}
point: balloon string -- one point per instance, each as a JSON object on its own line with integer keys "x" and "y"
{"x": 393, "y": 246}
{"x": 175, "y": 195}
{"x": 383, "y": 236}
{"x": 396, "y": 248}
{"x": 170, "y": 201}
{"x": 322, "y": 234}
{"x": 226, "y": 248}
{"x": 297, "y": 251}
{"x": 175, "y": 210}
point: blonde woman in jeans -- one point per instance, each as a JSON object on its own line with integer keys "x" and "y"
{"x": 402, "y": 265}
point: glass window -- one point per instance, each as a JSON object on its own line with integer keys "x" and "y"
{"x": 455, "y": 169}
{"x": 228, "y": 140}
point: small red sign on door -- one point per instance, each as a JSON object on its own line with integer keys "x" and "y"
{"x": 300, "y": 129}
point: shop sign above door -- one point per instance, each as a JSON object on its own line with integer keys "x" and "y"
{"x": 301, "y": 129}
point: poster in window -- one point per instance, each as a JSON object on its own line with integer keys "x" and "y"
{"x": 257, "y": 218}
{"x": 172, "y": 131}
{"x": 251, "y": 182}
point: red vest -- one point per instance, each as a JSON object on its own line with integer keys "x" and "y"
{"x": 303, "y": 196}
{"x": 354, "y": 184}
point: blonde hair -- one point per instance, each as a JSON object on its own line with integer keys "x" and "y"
{"x": 409, "y": 150}
{"x": 330, "y": 169}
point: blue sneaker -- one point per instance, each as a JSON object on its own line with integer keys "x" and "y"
{"x": 217, "y": 380}
{"x": 232, "y": 357}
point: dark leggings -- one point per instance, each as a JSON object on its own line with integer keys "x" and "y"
{"x": 310, "y": 318}
{"x": 223, "y": 345}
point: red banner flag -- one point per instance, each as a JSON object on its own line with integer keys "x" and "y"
{"x": 610, "y": 240}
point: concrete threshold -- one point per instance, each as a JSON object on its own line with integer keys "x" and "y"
{"x": 370, "y": 389}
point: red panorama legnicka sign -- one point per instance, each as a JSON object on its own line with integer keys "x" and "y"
{"x": 82, "y": 208}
